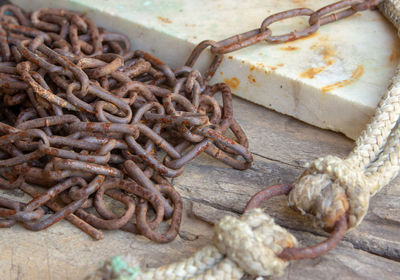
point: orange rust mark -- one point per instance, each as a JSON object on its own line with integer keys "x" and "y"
{"x": 165, "y": 20}
{"x": 273, "y": 67}
{"x": 327, "y": 54}
{"x": 310, "y": 73}
{"x": 280, "y": 64}
{"x": 289, "y": 48}
{"x": 221, "y": 73}
{"x": 357, "y": 73}
{"x": 395, "y": 54}
{"x": 308, "y": 37}
{"x": 232, "y": 83}
{"x": 252, "y": 67}
{"x": 230, "y": 57}
{"x": 243, "y": 61}
{"x": 260, "y": 65}
{"x": 251, "y": 79}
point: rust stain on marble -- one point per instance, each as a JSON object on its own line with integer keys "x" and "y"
{"x": 357, "y": 73}
{"x": 165, "y": 20}
{"x": 328, "y": 54}
{"x": 310, "y": 73}
{"x": 308, "y": 37}
{"x": 289, "y": 48}
{"x": 395, "y": 53}
{"x": 233, "y": 83}
{"x": 251, "y": 79}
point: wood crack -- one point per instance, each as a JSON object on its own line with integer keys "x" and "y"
{"x": 213, "y": 205}
{"x": 278, "y": 161}
{"x": 363, "y": 245}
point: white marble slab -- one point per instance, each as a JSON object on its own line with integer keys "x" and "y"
{"x": 333, "y": 79}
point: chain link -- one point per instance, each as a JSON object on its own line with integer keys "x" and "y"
{"x": 324, "y": 15}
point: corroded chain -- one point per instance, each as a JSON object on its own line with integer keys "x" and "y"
{"x": 83, "y": 116}
{"x": 325, "y": 15}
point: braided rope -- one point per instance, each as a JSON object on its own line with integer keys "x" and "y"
{"x": 330, "y": 186}
{"x": 248, "y": 244}
{"x": 328, "y": 189}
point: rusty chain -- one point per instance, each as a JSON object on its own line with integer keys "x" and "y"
{"x": 84, "y": 116}
{"x": 330, "y": 13}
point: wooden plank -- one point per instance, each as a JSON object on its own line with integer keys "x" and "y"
{"x": 210, "y": 190}
{"x": 342, "y": 263}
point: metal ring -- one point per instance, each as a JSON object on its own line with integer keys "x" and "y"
{"x": 310, "y": 252}
{"x": 241, "y": 41}
{"x": 294, "y": 34}
{"x": 327, "y": 15}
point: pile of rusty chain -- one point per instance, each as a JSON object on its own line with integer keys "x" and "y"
{"x": 82, "y": 116}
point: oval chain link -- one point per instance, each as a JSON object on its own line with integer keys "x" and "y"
{"x": 330, "y": 13}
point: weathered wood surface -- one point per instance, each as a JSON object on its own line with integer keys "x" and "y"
{"x": 281, "y": 145}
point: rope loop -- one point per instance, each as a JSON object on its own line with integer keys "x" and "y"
{"x": 253, "y": 242}
{"x": 329, "y": 188}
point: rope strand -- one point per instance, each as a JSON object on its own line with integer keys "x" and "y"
{"x": 330, "y": 186}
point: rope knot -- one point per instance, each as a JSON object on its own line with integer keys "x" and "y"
{"x": 329, "y": 188}
{"x": 253, "y": 242}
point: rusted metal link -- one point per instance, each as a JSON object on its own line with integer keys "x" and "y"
{"x": 55, "y": 206}
{"x": 140, "y": 177}
{"x": 176, "y": 219}
{"x": 241, "y": 41}
{"x": 327, "y": 14}
{"x": 134, "y": 188}
{"x": 87, "y": 189}
{"x": 56, "y": 217}
{"x": 11, "y": 207}
{"x": 108, "y": 224}
{"x": 292, "y": 35}
{"x": 322, "y": 248}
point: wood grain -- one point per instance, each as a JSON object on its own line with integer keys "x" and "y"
{"x": 281, "y": 145}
